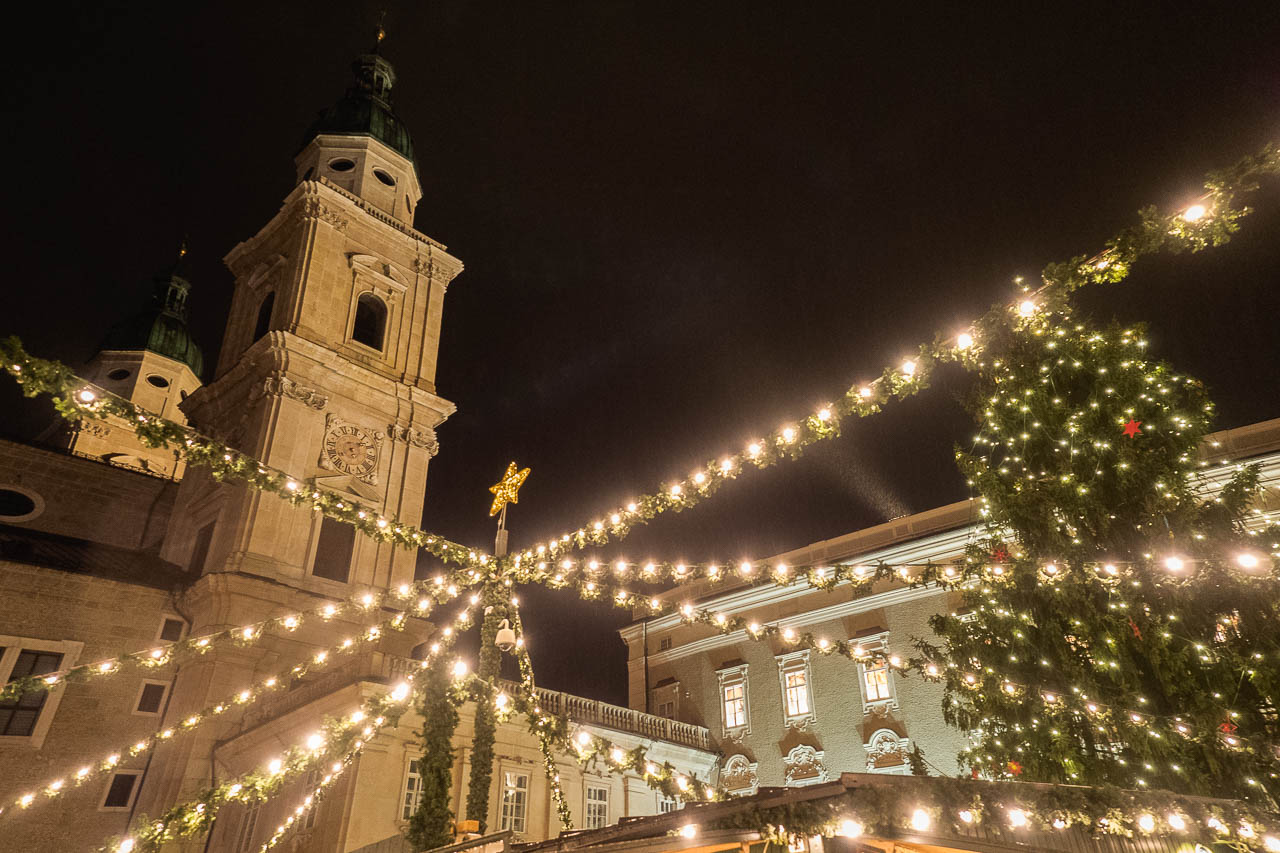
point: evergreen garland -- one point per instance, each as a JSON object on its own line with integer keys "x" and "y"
{"x": 431, "y": 823}
{"x": 485, "y": 723}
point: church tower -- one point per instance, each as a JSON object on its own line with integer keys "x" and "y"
{"x": 327, "y": 368}
{"x": 152, "y": 361}
{"x": 327, "y": 371}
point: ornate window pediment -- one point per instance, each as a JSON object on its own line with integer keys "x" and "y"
{"x": 805, "y": 766}
{"x": 739, "y": 776}
{"x": 887, "y": 753}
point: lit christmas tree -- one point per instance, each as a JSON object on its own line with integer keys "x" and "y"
{"x": 1119, "y": 625}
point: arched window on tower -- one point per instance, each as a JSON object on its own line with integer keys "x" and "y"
{"x": 371, "y": 321}
{"x": 264, "y": 315}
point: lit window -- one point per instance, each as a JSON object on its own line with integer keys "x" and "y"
{"x": 875, "y": 682}
{"x": 412, "y": 792}
{"x": 735, "y": 705}
{"x": 515, "y": 801}
{"x": 18, "y": 716}
{"x": 597, "y": 807}
{"x": 877, "y": 678}
{"x": 797, "y": 699}
{"x": 797, "y": 693}
{"x": 733, "y": 698}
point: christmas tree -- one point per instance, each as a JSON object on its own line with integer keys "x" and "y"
{"x": 1118, "y": 624}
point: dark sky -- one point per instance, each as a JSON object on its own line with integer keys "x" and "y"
{"x": 682, "y": 223}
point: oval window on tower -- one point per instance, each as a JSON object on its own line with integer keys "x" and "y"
{"x": 384, "y": 177}
{"x": 342, "y": 164}
{"x": 118, "y": 374}
{"x": 18, "y": 504}
{"x": 158, "y": 381}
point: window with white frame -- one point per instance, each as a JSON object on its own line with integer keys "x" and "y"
{"x": 597, "y": 807}
{"x": 667, "y": 804}
{"x": 515, "y": 801}
{"x": 797, "y": 693}
{"x": 878, "y": 692}
{"x": 26, "y": 718}
{"x": 412, "y": 791}
{"x": 734, "y": 707}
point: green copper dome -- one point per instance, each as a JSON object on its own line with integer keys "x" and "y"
{"x": 365, "y": 110}
{"x": 161, "y": 328}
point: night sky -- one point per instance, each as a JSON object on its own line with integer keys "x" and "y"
{"x": 682, "y": 225}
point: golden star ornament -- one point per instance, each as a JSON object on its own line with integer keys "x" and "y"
{"x": 505, "y": 491}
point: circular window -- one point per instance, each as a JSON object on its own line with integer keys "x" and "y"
{"x": 158, "y": 381}
{"x": 384, "y": 177}
{"x": 118, "y": 374}
{"x": 342, "y": 165}
{"x": 19, "y": 504}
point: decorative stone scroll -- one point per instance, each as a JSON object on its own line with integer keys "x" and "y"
{"x": 314, "y": 208}
{"x": 282, "y": 386}
{"x": 425, "y": 437}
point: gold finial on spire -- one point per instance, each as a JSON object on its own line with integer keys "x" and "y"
{"x": 381, "y": 33}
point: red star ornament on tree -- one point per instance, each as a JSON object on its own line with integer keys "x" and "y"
{"x": 1132, "y": 428}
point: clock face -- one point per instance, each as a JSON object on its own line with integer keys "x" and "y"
{"x": 351, "y": 450}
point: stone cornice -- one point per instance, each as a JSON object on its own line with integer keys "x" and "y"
{"x": 799, "y": 620}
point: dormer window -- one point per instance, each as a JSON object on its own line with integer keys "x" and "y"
{"x": 371, "y": 321}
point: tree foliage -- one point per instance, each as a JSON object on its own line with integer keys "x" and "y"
{"x": 1119, "y": 624}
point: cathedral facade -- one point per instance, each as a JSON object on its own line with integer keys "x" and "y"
{"x": 326, "y": 370}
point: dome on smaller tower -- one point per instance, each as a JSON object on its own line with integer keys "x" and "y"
{"x": 161, "y": 327}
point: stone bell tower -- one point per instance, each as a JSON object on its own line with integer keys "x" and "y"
{"x": 328, "y": 362}
{"x": 327, "y": 371}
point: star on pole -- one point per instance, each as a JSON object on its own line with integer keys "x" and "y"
{"x": 1132, "y": 428}
{"x": 505, "y": 491}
